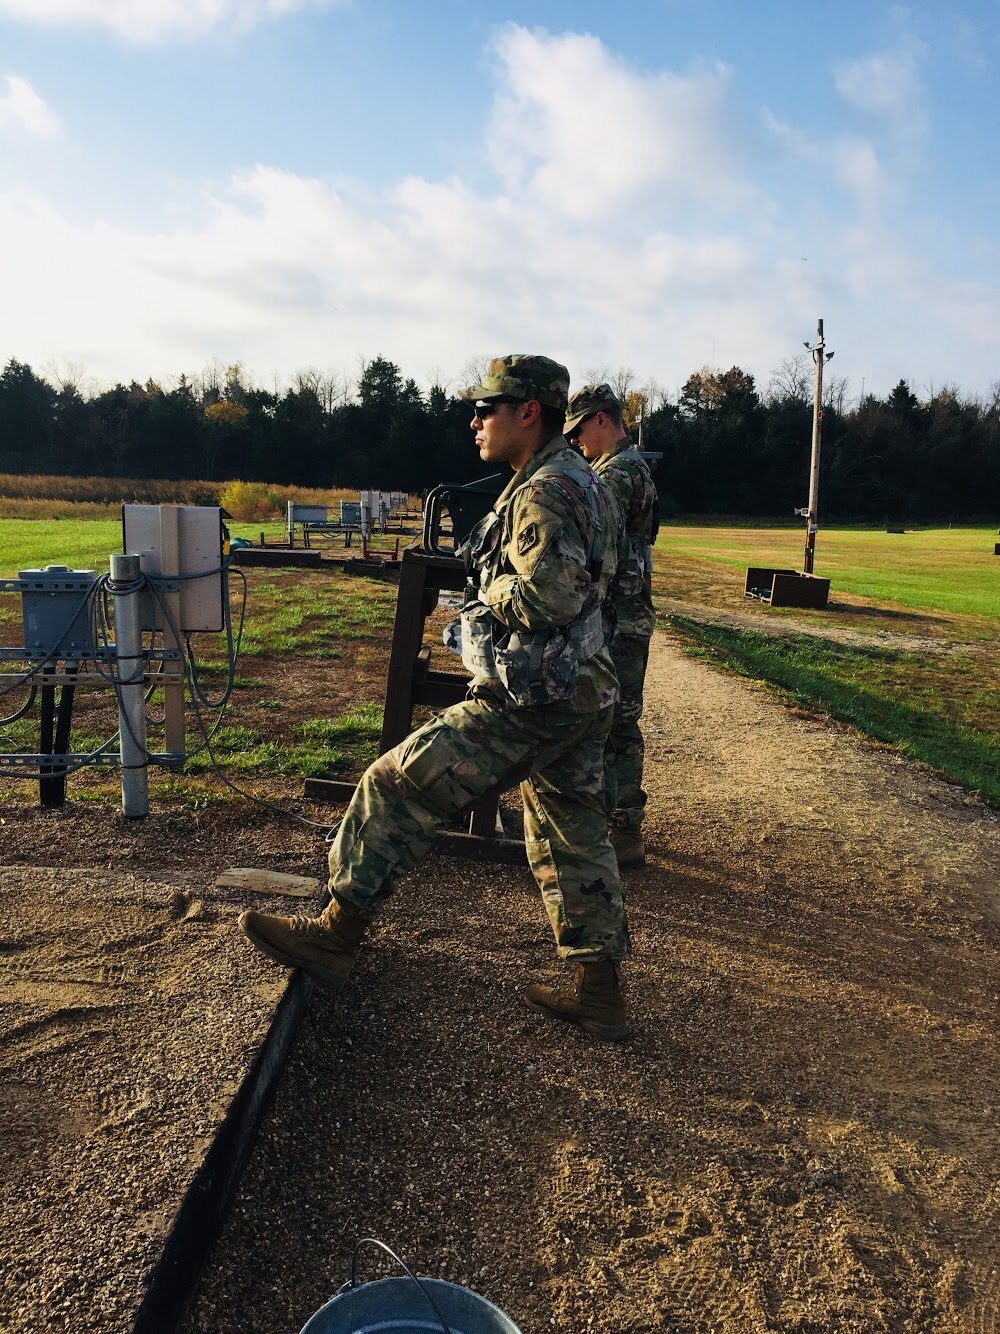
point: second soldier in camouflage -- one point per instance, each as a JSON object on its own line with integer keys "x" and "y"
{"x": 594, "y": 423}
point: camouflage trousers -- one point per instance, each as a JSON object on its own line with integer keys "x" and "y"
{"x": 469, "y": 751}
{"x": 625, "y": 750}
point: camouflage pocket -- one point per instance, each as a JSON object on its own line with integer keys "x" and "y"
{"x": 478, "y": 626}
{"x": 538, "y": 669}
{"x": 629, "y": 578}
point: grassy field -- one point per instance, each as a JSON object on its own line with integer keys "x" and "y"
{"x": 83, "y": 544}
{"x": 906, "y": 650}
{"x": 939, "y": 569}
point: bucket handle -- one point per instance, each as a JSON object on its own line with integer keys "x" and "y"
{"x": 374, "y": 1241}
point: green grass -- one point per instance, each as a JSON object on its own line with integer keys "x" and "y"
{"x": 905, "y": 651}
{"x": 309, "y": 618}
{"x": 892, "y": 696}
{"x": 928, "y": 682}
{"x": 936, "y": 569}
{"x": 86, "y": 544}
{"x": 313, "y": 618}
{"x": 82, "y": 544}
{"x": 318, "y": 748}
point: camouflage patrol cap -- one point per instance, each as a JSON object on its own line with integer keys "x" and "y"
{"x": 588, "y": 400}
{"x": 523, "y": 376}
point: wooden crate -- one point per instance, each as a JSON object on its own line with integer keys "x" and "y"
{"x": 786, "y": 588}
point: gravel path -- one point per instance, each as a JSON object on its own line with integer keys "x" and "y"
{"x": 120, "y": 1051}
{"x": 802, "y": 1134}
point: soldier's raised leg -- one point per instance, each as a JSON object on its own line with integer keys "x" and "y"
{"x": 401, "y": 802}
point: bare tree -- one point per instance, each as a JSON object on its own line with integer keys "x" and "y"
{"x": 69, "y": 377}
{"x": 656, "y": 395}
{"x": 208, "y": 385}
{"x": 328, "y": 388}
{"x": 334, "y": 390}
{"x": 473, "y": 370}
{"x": 791, "y": 380}
{"x": 596, "y": 374}
{"x": 835, "y": 389}
{"x": 622, "y": 381}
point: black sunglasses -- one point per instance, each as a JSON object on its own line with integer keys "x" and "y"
{"x": 485, "y": 407}
{"x": 574, "y": 436}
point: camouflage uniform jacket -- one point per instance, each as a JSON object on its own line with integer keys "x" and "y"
{"x": 630, "y": 597}
{"x": 544, "y": 560}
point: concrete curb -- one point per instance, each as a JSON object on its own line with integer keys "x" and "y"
{"x": 198, "y": 1222}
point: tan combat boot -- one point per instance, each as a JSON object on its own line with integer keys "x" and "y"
{"x": 628, "y": 846}
{"x": 325, "y": 947}
{"x": 594, "y": 1001}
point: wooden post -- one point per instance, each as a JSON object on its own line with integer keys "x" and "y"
{"x": 407, "y": 635}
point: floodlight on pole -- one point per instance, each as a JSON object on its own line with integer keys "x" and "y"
{"x": 819, "y": 355}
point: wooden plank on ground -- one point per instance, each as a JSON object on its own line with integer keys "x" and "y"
{"x": 268, "y": 882}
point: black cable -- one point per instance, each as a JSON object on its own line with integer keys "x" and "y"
{"x": 13, "y": 718}
{"x": 103, "y": 627}
{"x": 206, "y": 744}
{"x": 232, "y": 652}
{"x": 38, "y": 667}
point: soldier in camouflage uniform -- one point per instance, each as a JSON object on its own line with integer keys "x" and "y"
{"x": 541, "y": 704}
{"x": 594, "y": 422}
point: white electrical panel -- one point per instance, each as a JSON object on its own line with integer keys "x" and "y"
{"x": 180, "y": 540}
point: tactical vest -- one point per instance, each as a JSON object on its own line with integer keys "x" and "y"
{"x": 535, "y": 667}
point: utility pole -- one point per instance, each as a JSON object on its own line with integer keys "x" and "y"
{"x": 819, "y": 356}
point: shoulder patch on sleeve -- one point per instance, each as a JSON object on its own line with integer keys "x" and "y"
{"x": 527, "y": 538}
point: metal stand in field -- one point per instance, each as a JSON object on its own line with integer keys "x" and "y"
{"x": 172, "y": 582}
{"x": 126, "y": 582}
{"x": 410, "y": 682}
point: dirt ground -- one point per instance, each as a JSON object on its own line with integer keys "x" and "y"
{"x": 801, "y": 1135}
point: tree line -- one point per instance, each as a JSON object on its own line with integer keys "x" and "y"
{"x": 728, "y": 447}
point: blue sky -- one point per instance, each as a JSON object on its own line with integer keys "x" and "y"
{"x": 299, "y": 184}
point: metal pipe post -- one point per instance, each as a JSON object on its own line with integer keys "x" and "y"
{"x": 817, "y": 431}
{"x": 125, "y": 586}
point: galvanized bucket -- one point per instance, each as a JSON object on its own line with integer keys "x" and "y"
{"x": 408, "y": 1305}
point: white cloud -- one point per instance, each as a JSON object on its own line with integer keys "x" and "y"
{"x": 23, "y": 109}
{"x": 155, "y": 20}
{"x": 587, "y": 134}
{"x": 282, "y": 271}
{"x": 789, "y": 138}
{"x": 858, "y": 168}
{"x": 887, "y": 86}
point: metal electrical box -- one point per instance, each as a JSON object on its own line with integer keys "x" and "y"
{"x": 58, "y": 613}
{"x": 180, "y": 540}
